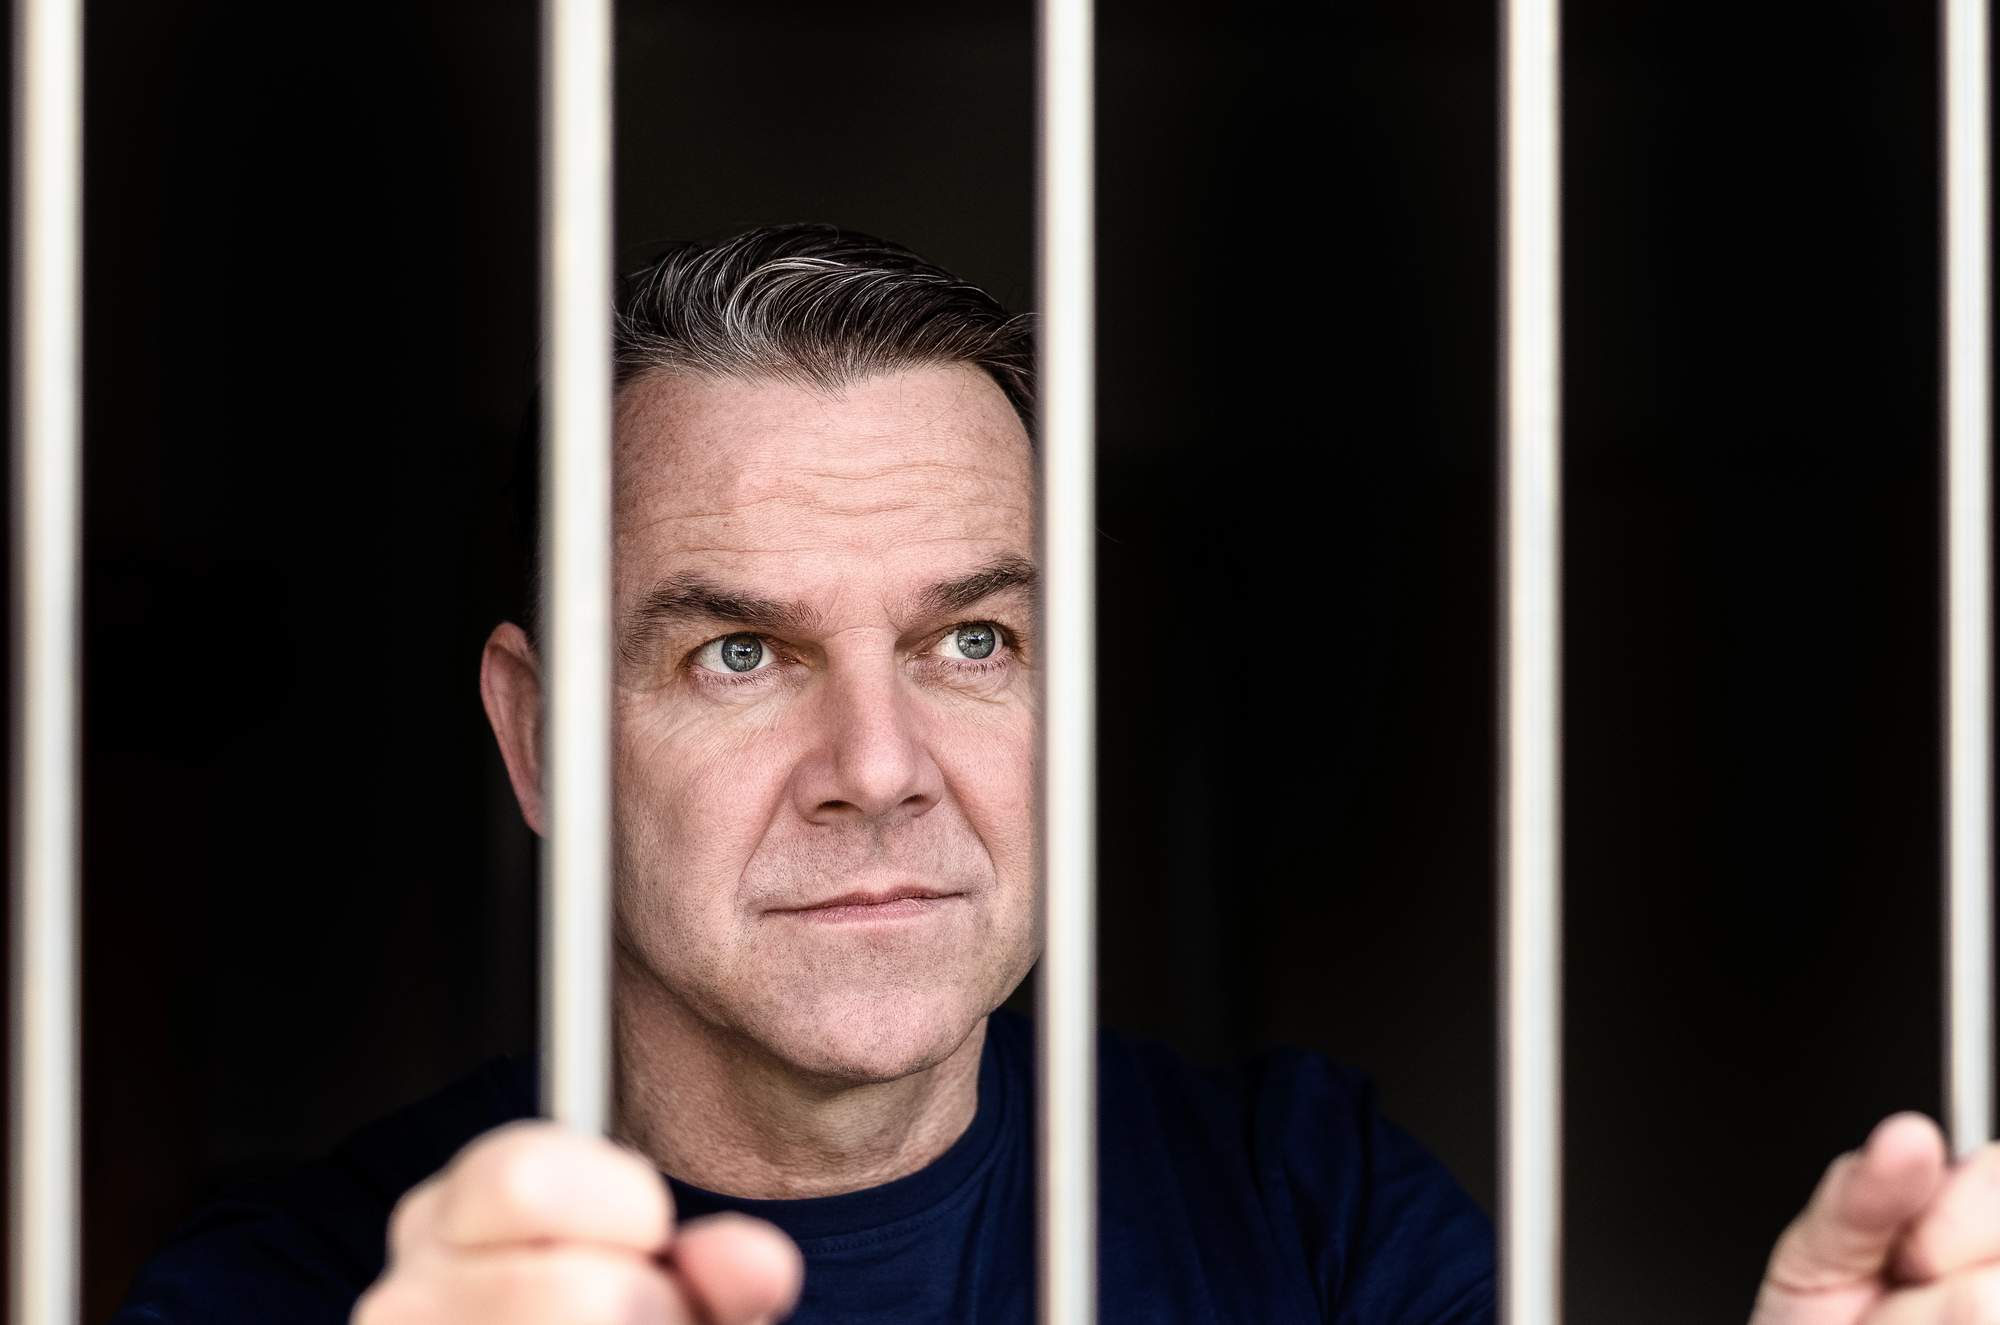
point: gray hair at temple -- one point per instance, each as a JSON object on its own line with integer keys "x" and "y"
{"x": 816, "y": 306}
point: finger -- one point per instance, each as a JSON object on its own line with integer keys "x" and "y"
{"x": 413, "y": 1223}
{"x": 1971, "y": 1297}
{"x": 572, "y": 1284}
{"x": 1860, "y": 1208}
{"x": 537, "y": 1182}
{"x": 1961, "y": 1226}
{"x": 742, "y": 1270}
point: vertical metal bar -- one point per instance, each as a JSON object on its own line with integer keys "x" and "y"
{"x": 1067, "y": 1036}
{"x": 48, "y": 482}
{"x": 1968, "y": 593}
{"x": 576, "y": 565}
{"x": 1531, "y": 670}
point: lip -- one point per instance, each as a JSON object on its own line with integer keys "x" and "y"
{"x": 906, "y": 903}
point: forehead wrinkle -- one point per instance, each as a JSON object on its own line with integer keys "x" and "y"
{"x": 888, "y": 524}
{"x": 880, "y": 489}
{"x": 810, "y": 489}
{"x": 720, "y": 510}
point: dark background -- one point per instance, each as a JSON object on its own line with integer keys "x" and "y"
{"x": 311, "y": 338}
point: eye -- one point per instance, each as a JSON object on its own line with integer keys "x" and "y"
{"x": 973, "y": 640}
{"x": 733, "y": 653}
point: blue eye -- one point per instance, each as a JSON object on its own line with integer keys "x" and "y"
{"x": 733, "y": 653}
{"x": 973, "y": 641}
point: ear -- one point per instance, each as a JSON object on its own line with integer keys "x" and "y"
{"x": 510, "y": 684}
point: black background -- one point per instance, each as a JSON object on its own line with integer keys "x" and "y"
{"x": 311, "y": 338}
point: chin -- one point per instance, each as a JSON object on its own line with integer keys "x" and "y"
{"x": 867, "y": 1036}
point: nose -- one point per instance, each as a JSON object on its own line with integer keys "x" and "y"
{"x": 869, "y": 761}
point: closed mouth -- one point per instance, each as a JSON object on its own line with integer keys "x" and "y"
{"x": 882, "y": 904}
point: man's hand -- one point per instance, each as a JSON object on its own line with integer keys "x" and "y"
{"x": 1892, "y": 1236}
{"x": 534, "y": 1225}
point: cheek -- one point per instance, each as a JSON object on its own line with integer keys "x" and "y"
{"x": 988, "y": 759}
{"x": 694, "y": 802}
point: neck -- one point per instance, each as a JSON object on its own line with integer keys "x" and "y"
{"x": 713, "y": 1108}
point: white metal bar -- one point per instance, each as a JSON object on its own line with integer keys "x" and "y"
{"x": 48, "y": 482}
{"x": 1531, "y": 669}
{"x": 1067, "y": 408}
{"x": 576, "y": 561}
{"x": 1968, "y": 593}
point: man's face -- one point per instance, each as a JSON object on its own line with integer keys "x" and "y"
{"x": 825, "y": 714}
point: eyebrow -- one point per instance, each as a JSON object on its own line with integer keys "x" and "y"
{"x": 685, "y": 597}
{"x": 952, "y": 595}
{"x": 690, "y": 597}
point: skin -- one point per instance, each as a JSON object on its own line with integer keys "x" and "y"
{"x": 824, "y": 865}
{"x": 825, "y": 870}
{"x": 824, "y": 881}
{"x": 1894, "y": 1235}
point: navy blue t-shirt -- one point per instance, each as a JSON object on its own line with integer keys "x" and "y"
{"x": 1267, "y": 1196}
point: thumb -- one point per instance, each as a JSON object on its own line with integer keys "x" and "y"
{"x": 743, "y": 1270}
{"x": 1844, "y": 1237}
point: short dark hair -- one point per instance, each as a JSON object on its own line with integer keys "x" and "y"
{"x": 818, "y": 306}
{"x": 802, "y": 303}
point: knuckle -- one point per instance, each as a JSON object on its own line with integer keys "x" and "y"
{"x": 412, "y": 1220}
{"x": 528, "y": 1186}
{"x": 497, "y": 1186}
{"x": 516, "y": 1187}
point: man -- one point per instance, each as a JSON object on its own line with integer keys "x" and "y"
{"x": 825, "y": 726}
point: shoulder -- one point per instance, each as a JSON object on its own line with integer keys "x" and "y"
{"x": 1393, "y": 1226}
{"x": 1373, "y": 1227}
{"x": 303, "y": 1248}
